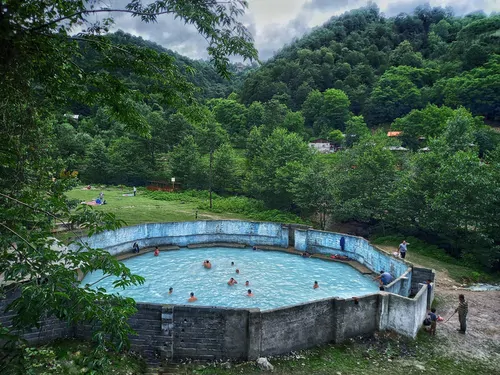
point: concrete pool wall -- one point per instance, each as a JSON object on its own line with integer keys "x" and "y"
{"x": 173, "y": 332}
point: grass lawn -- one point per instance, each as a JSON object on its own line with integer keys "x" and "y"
{"x": 431, "y": 256}
{"x": 384, "y": 353}
{"x": 141, "y": 209}
{"x": 67, "y": 357}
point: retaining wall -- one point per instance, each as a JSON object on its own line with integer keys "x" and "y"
{"x": 191, "y": 232}
{"x": 359, "y": 249}
{"x": 210, "y": 333}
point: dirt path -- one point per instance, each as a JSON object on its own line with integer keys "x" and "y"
{"x": 482, "y": 340}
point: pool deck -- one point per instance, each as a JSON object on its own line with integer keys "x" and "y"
{"x": 290, "y": 250}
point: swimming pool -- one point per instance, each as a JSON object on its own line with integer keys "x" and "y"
{"x": 276, "y": 279}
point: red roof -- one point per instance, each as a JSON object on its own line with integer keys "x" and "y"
{"x": 394, "y": 134}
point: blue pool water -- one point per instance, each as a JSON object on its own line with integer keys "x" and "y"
{"x": 277, "y": 279}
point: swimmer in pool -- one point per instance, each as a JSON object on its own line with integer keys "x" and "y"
{"x": 231, "y": 282}
{"x": 316, "y": 285}
{"x": 249, "y": 293}
{"x": 232, "y": 263}
{"x": 157, "y": 251}
{"x": 247, "y": 283}
{"x": 170, "y": 290}
{"x": 207, "y": 264}
{"x": 238, "y": 271}
{"x": 192, "y": 298}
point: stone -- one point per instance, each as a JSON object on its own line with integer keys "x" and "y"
{"x": 226, "y": 365}
{"x": 264, "y": 364}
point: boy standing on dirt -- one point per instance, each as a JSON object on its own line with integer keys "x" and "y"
{"x": 433, "y": 317}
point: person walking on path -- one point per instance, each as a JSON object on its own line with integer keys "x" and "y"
{"x": 402, "y": 249}
{"x": 462, "y": 309}
{"x": 135, "y": 191}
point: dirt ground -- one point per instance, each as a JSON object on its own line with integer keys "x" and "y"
{"x": 482, "y": 340}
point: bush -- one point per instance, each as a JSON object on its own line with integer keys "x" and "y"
{"x": 251, "y": 208}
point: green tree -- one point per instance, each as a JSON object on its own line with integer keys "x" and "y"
{"x": 404, "y": 55}
{"x": 39, "y": 71}
{"x": 364, "y": 175}
{"x": 187, "y": 166}
{"x": 312, "y": 107}
{"x": 314, "y": 191}
{"x": 335, "y": 109}
{"x": 393, "y": 96}
{"x": 233, "y": 118}
{"x": 271, "y": 166}
{"x": 355, "y": 130}
{"x": 210, "y": 137}
{"x": 429, "y": 122}
{"x": 294, "y": 122}
{"x": 96, "y": 169}
{"x": 255, "y": 115}
{"x": 227, "y": 172}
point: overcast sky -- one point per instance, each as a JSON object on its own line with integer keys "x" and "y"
{"x": 274, "y": 23}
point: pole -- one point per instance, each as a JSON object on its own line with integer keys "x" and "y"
{"x": 210, "y": 178}
{"x": 450, "y": 317}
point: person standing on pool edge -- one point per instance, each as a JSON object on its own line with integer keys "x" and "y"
{"x": 402, "y": 249}
{"x": 342, "y": 243}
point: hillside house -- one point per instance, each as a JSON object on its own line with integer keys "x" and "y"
{"x": 322, "y": 145}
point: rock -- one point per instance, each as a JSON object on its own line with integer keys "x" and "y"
{"x": 264, "y": 364}
{"x": 226, "y": 365}
{"x": 420, "y": 367}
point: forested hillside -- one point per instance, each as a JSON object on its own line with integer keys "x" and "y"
{"x": 429, "y": 74}
{"x": 387, "y": 66}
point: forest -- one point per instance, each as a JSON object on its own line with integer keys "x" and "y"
{"x": 82, "y": 105}
{"x": 429, "y": 74}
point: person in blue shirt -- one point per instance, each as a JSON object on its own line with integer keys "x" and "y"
{"x": 384, "y": 278}
{"x": 342, "y": 243}
{"x": 403, "y": 248}
{"x": 433, "y": 317}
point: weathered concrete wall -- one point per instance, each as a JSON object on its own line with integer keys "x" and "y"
{"x": 359, "y": 249}
{"x": 172, "y": 332}
{"x": 191, "y": 232}
{"x": 297, "y": 327}
{"x": 50, "y": 329}
{"x": 206, "y": 333}
{"x": 356, "y": 317}
{"x": 401, "y": 314}
{"x": 420, "y": 277}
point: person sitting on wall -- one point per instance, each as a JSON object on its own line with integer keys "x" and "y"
{"x": 207, "y": 264}
{"x": 157, "y": 251}
{"x": 135, "y": 248}
{"x": 384, "y": 278}
{"x": 192, "y": 298}
{"x": 316, "y": 285}
{"x": 231, "y": 282}
{"x": 249, "y": 293}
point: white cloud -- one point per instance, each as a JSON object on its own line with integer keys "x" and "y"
{"x": 274, "y": 23}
